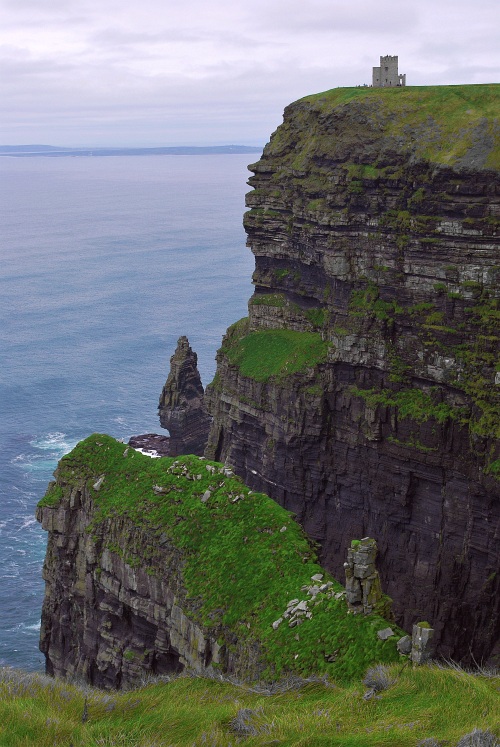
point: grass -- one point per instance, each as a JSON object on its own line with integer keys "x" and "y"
{"x": 431, "y": 701}
{"x": 444, "y": 116}
{"x": 243, "y": 557}
{"x": 410, "y": 403}
{"x": 276, "y": 352}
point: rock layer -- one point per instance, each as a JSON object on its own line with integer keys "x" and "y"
{"x": 181, "y": 409}
{"x": 375, "y": 224}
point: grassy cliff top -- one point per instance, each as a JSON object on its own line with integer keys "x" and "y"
{"x": 244, "y": 557}
{"x": 449, "y": 125}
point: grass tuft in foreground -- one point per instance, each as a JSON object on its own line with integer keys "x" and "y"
{"x": 428, "y": 706}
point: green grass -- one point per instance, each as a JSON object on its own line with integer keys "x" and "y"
{"x": 444, "y": 116}
{"x": 276, "y": 352}
{"x": 268, "y": 299}
{"x": 410, "y": 403}
{"x": 427, "y": 702}
{"x": 243, "y": 560}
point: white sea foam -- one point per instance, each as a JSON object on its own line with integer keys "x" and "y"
{"x": 27, "y": 522}
{"x": 53, "y": 442}
{"x": 152, "y": 453}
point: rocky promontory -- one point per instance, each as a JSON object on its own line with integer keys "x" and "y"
{"x": 154, "y": 566}
{"x": 362, "y": 391}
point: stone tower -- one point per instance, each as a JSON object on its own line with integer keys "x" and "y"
{"x": 387, "y": 74}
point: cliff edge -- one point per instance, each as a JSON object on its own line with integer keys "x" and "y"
{"x": 362, "y": 391}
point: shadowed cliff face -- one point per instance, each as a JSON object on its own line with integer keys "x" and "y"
{"x": 374, "y": 221}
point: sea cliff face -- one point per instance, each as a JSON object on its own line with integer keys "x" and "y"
{"x": 362, "y": 392}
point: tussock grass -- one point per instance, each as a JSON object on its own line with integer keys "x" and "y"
{"x": 435, "y": 704}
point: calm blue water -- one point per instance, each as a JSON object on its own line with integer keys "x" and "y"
{"x": 105, "y": 262}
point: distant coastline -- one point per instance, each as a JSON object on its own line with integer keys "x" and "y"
{"x": 23, "y": 151}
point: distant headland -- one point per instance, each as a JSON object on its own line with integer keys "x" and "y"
{"x": 22, "y": 151}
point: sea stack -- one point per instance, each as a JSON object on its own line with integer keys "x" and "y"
{"x": 182, "y": 409}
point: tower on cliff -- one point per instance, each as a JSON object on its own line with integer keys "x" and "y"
{"x": 387, "y": 74}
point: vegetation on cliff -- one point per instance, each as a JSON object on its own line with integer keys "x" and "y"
{"x": 429, "y": 703}
{"x": 273, "y": 352}
{"x": 439, "y": 124}
{"x": 243, "y": 558}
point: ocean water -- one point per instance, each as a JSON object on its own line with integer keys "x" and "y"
{"x": 105, "y": 262}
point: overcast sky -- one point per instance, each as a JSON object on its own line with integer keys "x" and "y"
{"x": 209, "y": 72}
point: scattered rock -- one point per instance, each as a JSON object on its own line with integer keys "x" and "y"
{"x": 206, "y": 495}
{"x": 404, "y": 645}
{"x": 98, "y": 483}
{"x": 385, "y": 634}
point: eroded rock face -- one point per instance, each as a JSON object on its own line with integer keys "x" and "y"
{"x": 394, "y": 260}
{"x": 181, "y": 409}
{"x": 108, "y": 621}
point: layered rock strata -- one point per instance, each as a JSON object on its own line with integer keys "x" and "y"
{"x": 181, "y": 409}
{"x": 375, "y": 223}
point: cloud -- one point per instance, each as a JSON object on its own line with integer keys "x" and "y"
{"x": 164, "y": 72}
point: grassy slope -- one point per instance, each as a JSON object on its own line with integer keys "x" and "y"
{"x": 426, "y": 702}
{"x": 455, "y": 110}
{"x": 239, "y": 561}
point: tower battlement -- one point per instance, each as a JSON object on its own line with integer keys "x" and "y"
{"x": 387, "y": 74}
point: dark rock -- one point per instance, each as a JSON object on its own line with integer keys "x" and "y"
{"x": 182, "y": 409}
{"x": 151, "y": 443}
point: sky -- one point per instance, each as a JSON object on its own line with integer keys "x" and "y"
{"x": 212, "y": 72}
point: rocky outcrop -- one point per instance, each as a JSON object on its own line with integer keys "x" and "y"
{"x": 181, "y": 409}
{"x": 151, "y": 443}
{"x": 362, "y": 582}
{"x": 375, "y": 223}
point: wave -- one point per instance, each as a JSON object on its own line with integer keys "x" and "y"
{"x": 54, "y": 442}
{"x": 47, "y": 450}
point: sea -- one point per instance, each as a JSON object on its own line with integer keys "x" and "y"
{"x": 104, "y": 263}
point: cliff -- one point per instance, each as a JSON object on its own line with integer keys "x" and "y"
{"x": 158, "y": 565}
{"x": 362, "y": 392}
